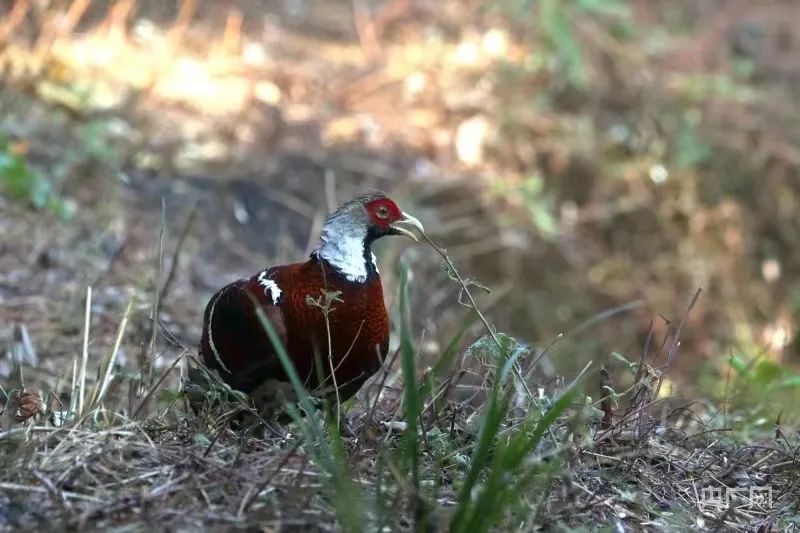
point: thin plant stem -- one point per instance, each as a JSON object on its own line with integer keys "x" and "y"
{"x": 81, "y": 383}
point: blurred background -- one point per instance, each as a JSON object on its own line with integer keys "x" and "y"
{"x": 593, "y": 162}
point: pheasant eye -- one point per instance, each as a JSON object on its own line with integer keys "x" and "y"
{"x": 382, "y": 212}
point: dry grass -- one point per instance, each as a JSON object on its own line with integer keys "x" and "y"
{"x": 151, "y": 475}
{"x": 145, "y": 460}
{"x": 172, "y": 471}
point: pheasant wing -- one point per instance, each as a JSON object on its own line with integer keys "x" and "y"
{"x": 234, "y": 341}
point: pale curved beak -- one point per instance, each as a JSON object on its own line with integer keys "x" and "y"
{"x": 399, "y": 226}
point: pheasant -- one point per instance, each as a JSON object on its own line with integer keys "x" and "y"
{"x": 342, "y": 268}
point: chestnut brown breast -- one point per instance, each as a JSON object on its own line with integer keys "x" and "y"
{"x": 236, "y": 344}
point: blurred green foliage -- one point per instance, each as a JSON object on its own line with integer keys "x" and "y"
{"x": 531, "y": 191}
{"x": 554, "y": 20}
{"x": 91, "y": 150}
{"x": 652, "y": 157}
{"x": 760, "y": 389}
{"x": 20, "y": 181}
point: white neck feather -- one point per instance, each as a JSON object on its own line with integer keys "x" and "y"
{"x": 342, "y": 246}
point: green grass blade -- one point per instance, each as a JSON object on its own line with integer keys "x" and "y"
{"x": 491, "y": 422}
{"x": 327, "y": 447}
{"x": 411, "y": 400}
{"x": 509, "y": 475}
{"x": 445, "y": 362}
{"x": 501, "y": 460}
{"x": 288, "y": 367}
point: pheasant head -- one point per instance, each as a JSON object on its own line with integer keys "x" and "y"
{"x": 348, "y": 233}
